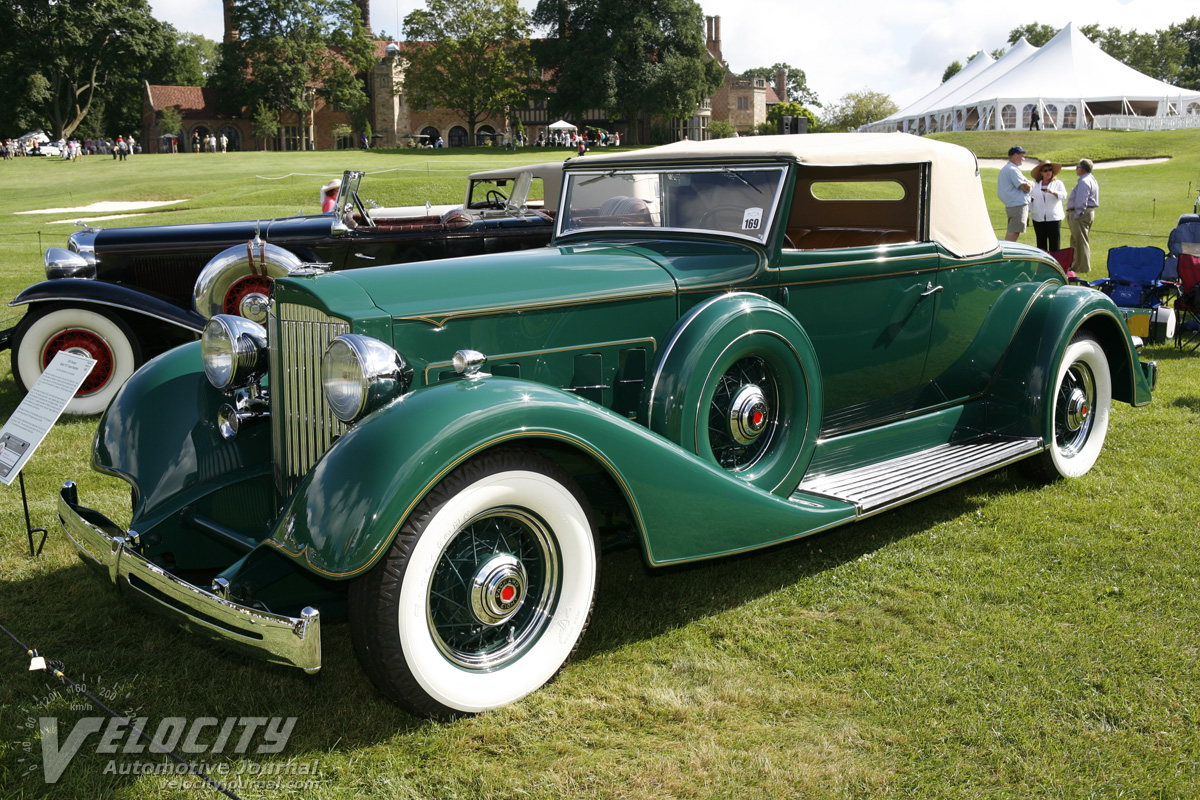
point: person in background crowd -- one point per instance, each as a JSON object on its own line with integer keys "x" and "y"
{"x": 1081, "y": 213}
{"x": 1013, "y": 191}
{"x": 195, "y": 141}
{"x": 224, "y": 142}
{"x": 1035, "y": 120}
{"x": 1046, "y": 205}
{"x": 329, "y": 194}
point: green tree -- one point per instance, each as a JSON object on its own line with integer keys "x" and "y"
{"x": 780, "y": 110}
{"x": 57, "y": 57}
{"x": 1187, "y": 34}
{"x": 472, "y": 56}
{"x": 634, "y": 59}
{"x": 856, "y": 109}
{"x": 265, "y": 123}
{"x": 721, "y": 129}
{"x": 1036, "y": 33}
{"x": 797, "y": 82}
{"x": 952, "y": 69}
{"x": 285, "y": 50}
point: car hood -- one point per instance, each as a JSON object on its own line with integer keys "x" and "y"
{"x": 173, "y": 238}
{"x": 556, "y": 275}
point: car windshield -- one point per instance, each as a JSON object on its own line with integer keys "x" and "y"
{"x": 741, "y": 201}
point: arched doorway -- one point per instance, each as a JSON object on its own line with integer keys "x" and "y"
{"x": 431, "y": 135}
{"x": 234, "y": 138}
{"x": 458, "y": 136}
{"x": 199, "y": 135}
{"x": 484, "y": 134}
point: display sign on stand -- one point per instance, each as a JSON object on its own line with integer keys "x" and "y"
{"x": 33, "y": 419}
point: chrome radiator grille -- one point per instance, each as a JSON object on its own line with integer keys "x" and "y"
{"x": 302, "y": 426}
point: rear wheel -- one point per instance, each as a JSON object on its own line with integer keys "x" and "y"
{"x": 96, "y": 334}
{"x": 1080, "y": 410}
{"x": 485, "y": 592}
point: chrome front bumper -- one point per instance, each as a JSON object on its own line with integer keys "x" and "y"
{"x": 292, "y": 641}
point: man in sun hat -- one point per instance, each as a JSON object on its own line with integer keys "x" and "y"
{"x": 1013, "y": 191}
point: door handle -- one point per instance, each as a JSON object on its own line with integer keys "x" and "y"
{"x": 931, "y": 289}
{"x": 372, "y": 258}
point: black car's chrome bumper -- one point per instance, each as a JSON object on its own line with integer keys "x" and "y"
{"x": 101, "y": 543}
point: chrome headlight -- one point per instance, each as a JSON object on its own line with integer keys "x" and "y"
{"x": 359, "y": 374}
{"x": 62, "y": 263}
{"x": 234, "y": 351}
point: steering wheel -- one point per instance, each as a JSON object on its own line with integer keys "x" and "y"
{"x": 363, "y": 210}
{"x": 710, "y": 217}
{"x": 495, "y": 199}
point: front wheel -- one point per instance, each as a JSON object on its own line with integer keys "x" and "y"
{"x": 1079, "y": 413}
{"x": 485, "y": 592}
{"x": 95, "y": 334}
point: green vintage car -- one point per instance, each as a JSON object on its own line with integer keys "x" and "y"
{"x": 728, "y": 345}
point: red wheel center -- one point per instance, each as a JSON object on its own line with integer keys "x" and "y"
{"x": 83, "y": 342}
{"x": 242, "y": 288}
{"x": 508, "y": 593}
{"x": 756, "y": 419}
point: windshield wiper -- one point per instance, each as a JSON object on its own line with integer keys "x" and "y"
{"x": 732, "y": 174}
{"x": 599, "y": 177}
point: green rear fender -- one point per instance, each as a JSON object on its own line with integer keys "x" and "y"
{"x": 1017, "y": 398}
{"x": 346, "y": 512}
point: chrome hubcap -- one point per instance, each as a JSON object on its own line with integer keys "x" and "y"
{"x": 748, "y": 414}
{"x": 1073, "y": 414}
{"x": 254, "y": 307}
{"x": 497, "y": 589}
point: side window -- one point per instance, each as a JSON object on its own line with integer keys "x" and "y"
{"x": 860, "y": 206}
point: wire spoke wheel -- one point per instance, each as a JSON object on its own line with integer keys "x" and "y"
{"x": 493, "y": 589}
{"x": 1075, "y": 403}
{"x": 743, "y": 414}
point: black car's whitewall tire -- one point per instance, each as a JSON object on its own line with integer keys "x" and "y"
{"x": 1079, "y": 409}
{"x": 94, "y": 333}
{"x": 485, "y": 592}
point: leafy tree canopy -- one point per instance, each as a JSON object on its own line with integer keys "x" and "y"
{"x": 856, "y": 109}
{"x": 797, "y": 82}
{"x": 627, "y": 57}
{"x": 58, "y": 58}
{"x": 952, "y": 69}
{"x": 472, "y": 56}
{"x": 287, "y": 49}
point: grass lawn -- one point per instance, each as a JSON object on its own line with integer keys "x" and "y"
{"x": 1000, "y": 639}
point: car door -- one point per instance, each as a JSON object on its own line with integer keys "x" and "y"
{"x": 869, "y": 312}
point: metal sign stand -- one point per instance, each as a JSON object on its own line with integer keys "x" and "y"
{"x": 29, "y": 529}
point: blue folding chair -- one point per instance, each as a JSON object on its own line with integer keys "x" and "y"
{"x": 1134, "y": 277}
{"x": 1184, "y": 238}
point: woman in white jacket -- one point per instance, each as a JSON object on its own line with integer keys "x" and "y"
{"x": 1046, "y": 205}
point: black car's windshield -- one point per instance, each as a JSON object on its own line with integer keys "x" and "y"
{"x": 741, "y": 201}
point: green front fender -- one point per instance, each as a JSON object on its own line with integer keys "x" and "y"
{"x": 160, "y": 434}
{"x": 346, "y": 512}
{"x": 1019, "y": 395}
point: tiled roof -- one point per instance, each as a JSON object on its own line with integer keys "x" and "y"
{"x": 191, "y": 101}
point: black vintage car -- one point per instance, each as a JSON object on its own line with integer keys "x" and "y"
{"x": 122, "y": 295}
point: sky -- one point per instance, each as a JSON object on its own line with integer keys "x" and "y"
{"x": 898, "y": 47}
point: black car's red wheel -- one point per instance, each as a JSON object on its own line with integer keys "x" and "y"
{"x": 96, "y": 334}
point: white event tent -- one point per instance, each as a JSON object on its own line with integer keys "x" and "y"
{"x": 1070, "y": 80}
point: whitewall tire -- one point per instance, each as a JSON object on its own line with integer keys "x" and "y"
{"x": 93, "y": 333}
{"x": 1079, "y": 407}
{"x": 485, "y": 592}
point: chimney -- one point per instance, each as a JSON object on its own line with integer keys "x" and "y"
{"x": 717, "y": 32}
{"x": 364, "y": 8}
{"x": 713, "y": 37}
{"x": 231, "y": 34}
{"x": 781, "y": 76}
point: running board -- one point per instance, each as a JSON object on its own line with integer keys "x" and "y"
{"x": 878, "y": 487}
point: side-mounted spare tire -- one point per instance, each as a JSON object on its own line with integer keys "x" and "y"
{"x": 738, "y": 384}
{"x": 238, "y": 280}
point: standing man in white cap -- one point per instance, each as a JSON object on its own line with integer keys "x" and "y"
{"x": 1013, "y": 191}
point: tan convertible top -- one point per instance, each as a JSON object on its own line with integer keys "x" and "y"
{"x": 958, "y": 216}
